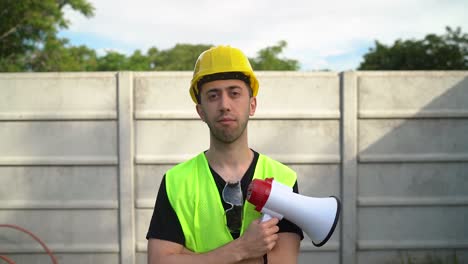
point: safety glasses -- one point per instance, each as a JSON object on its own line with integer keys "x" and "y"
{"x": 232, "y": 195}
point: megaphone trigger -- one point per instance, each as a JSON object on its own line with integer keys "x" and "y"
{"x": 268, "y": 214}
{"x": 265, "y": 217}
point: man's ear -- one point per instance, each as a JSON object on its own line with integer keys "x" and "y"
{"x": 253, "y": 105}
{"x": 200, "y": 112}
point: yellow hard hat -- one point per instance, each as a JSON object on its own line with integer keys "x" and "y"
{"x": 218, "y": 60}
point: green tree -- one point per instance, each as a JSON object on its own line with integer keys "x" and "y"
{"x": 84, "y": 57}
{"x": 267, "y": 59}
{"x": 153, "y": 54}
{"x": 139, "y": 62}
{"x": 55, "y": 55}
{"x": 181, "y": 57}
{"x": 444, "y": 52}
{"x": 27, "y": 26}
{"x": 112, "y": 61}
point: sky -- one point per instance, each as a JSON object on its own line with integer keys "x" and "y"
{"x": 329, "y": 34}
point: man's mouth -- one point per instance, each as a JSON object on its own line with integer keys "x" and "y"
{"x": 226, "y": 120}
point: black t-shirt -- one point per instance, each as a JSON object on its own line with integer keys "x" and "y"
{"x": 166, "y": 226}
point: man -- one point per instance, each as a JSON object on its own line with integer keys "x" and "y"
{"x": 201, "y": 215}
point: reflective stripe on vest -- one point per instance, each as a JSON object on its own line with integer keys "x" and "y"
{"x": 192, "y": 192}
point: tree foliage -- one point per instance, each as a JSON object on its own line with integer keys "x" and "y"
{"x": 444, "y": 52}
{"x": 29, "y": 42}
{"x": 267, "y": 59}
{"x": 27, "y": 27}
{"x": 180, "y": 58}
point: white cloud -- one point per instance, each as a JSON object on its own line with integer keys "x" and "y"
{"x": 314, "y": 30}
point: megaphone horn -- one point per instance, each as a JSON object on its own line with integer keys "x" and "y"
{"x": 317, "y": 217}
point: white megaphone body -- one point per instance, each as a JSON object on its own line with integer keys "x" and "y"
{"x": 317, "y": 217}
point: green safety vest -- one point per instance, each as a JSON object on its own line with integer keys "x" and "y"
{"x": 192, "y": 192}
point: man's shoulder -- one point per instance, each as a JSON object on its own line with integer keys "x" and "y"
{"x": 273, "y": 162}
{"x": 269, "y": 167}
{"x": 187, "y": 165}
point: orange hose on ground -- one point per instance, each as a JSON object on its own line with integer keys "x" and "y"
{"x": 52, "y": 257}
{"x": 9, "y": 261}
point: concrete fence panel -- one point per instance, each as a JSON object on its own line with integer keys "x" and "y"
{"x": 412, "y": 141}
{"x": 58, "y": 169}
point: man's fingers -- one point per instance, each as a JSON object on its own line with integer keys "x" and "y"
{"x": 275, "y": 229}
{"x": 271, "y": 228}
{"x": 272, "y": 241}
{"x": 272, "y": 222}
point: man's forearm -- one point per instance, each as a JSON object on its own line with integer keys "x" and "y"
{"x": 233, "y": 252}
{"x": 257, "y": 240}
{"x": 258, "y": 260}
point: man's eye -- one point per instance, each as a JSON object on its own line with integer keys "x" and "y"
{"x": 235, "y": 93}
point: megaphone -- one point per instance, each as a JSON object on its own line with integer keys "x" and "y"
{"x": 317, "y": 217}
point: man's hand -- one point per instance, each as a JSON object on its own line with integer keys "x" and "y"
{"x": 260, "y": 237}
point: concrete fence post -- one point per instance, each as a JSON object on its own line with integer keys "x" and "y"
{"x": 349, "y": 130}
{"x": 126, "y": 159}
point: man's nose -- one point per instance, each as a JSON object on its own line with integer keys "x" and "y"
{"x": 225, "y": 102}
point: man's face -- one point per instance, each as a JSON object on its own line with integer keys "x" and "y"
{"x": 225, "y": 107}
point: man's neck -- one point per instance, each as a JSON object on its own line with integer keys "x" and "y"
{"x": 230, "y": 161}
